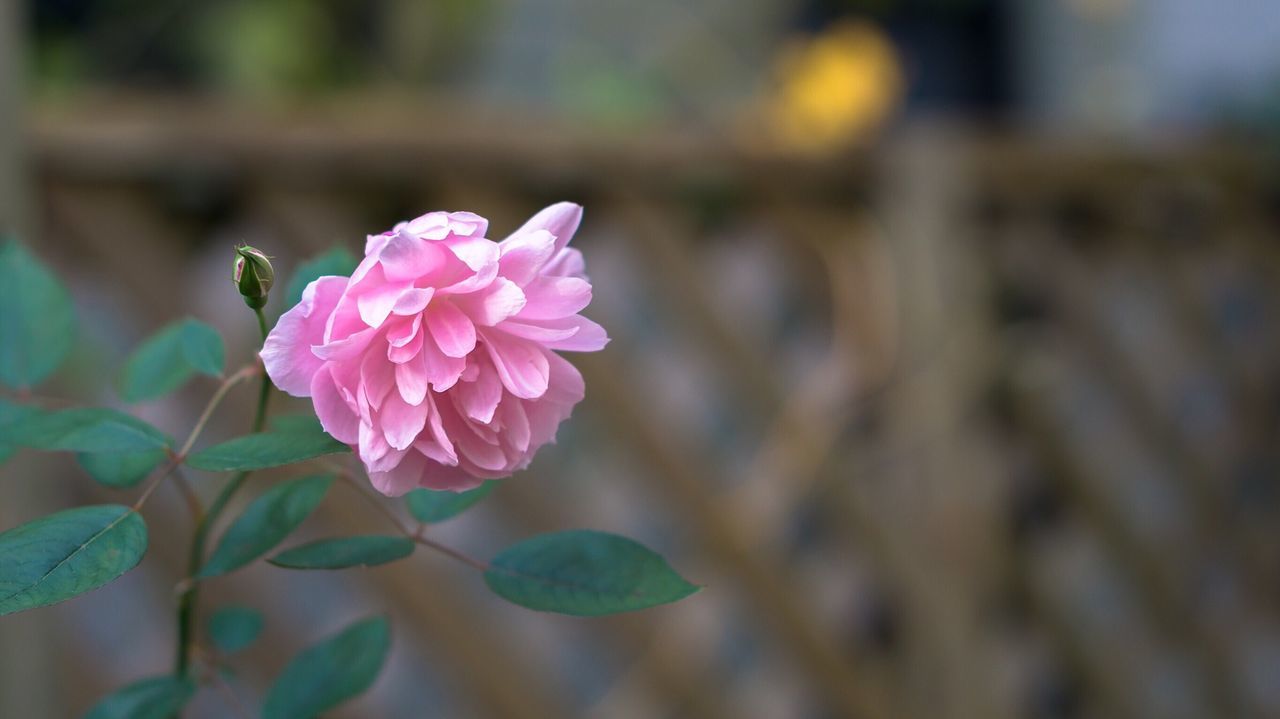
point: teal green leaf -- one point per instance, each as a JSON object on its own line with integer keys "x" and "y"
{"x": 66, "y": 554}
{"x": 331, "y": 672}
{"x": 234, "y": 628}
{"x": 37, "y": 321}
{"x": 169, "y": 358}
{"x": 6, "y": 451}
{"x": 366, "y": 551}
{"x": 297, "y": 422}
{"x": 266, "y": 449}
{"x": 158, "y": 698}
{"x": 585, "y": 573}
{"x": 337, "y": 261}
{"x": 89, "y": 429}
{"x": 202, "y": 348}
{"x": 266, "y": 522}
{"x": 428, "y": 506}
{"x": 120, "y": 470}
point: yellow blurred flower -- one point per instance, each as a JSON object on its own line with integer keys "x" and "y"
{"x": 835, "y": 87}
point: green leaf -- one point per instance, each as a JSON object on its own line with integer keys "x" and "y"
{"x": 337, "y": 261}
{"x": 266, "y": 449}
{"x": 429, "y": 506}
{"x": 121, "y": 469}
{"x": 202, "y": 348}
{"x": 234, "y": 628}
{"x": 266, "y": 522}
{"x": 66, "y": 554}
{"x": 169, "y": 358}
{"x": 158, "y": 698}
{"x": 367, "y": 551}
{"x": 331, "y": 672}
{"x": 297, "y": 422}
{"x": 585, "y": 573}
{"x": 37, "y": 322}
{"x": 88, "y": 429}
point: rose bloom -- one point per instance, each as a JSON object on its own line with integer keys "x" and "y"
{"x": 435, "y": 360}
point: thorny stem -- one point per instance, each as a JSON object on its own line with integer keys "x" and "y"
{"x": 188, "y": 600}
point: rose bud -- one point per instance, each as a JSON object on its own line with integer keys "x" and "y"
{"x": 253, "y": 275}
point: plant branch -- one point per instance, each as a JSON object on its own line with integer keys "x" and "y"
{"x": 176, "y": 458}
{"x": 417, "y": 535}
{"x": 188, "y": 601}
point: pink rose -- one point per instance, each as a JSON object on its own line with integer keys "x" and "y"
{"x": 435, "y": 359}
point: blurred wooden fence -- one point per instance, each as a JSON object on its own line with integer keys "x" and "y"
{"x": 957, "y": 428}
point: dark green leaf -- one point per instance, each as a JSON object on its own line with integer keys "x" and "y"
{"x": 266, "y": 449}
{"x": 169, "y": 358}
{"x": 367, "y": 551}
{"x": 66, "y": 554}
{"x": 266, "y": 522}
{"x": 234, "y": 628}
{"x": 37, "y": 324}
{"x": 89, "y": 429}
{"x": 585, "y": 573}
{"x": 331, "y": 672}
{"x": 429, "y": 506}
{"x": 158, "y": 698}
{"x": 337, "y": 261}
{"x": 120, "y": 469}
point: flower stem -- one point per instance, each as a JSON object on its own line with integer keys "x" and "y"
{"x": 187, "y": 602}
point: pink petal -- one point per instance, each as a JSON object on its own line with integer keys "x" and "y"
{"x": 442, "y": 446}
{"x": 477, "y": 400}
{"x": 375, "y": 304}
{"x": 453, "y": 331}
{"x": 515, "y": 425}
{"x": 402, "y": 422}
{"x": 523, "y": 255}
{"x": 471, "y": 448}
{"x": 453, "y": 479}
{"x": 411, "y": 380}
{"x": 560, "y": 219}
{"x": 378, "y": 376}
{"x": 538, "y": 333}
{"x": 401, "y": 479}
{"x": 570, "y": 334}
{"x": 336, "y": 416}
{"x": 345, "y": 349}
{"x": 399, "y": 335}
{"x": 407, "y": 257}
{"x": 441, "y": 370}
{"x": 565, "y": 391}
{"x": 287, "y": 354}
{"x": 400, "y": 354}
{"x": 413, "y": 301}
{"x": 373, "y": 447}
{"x": 481, "y": 256}
{"x": 497, "y": 302}
{"x": 551, "y": 298}
{"x": 521, "y": 364}
{"x": 467, "y": 224}
{"x": 567, "y": 263}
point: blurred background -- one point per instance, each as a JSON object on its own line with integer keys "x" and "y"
{"x": 945, "y": 344}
